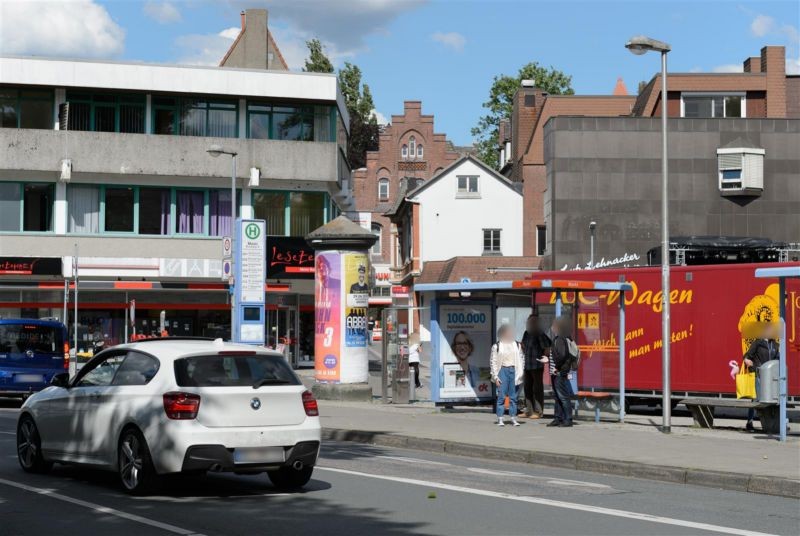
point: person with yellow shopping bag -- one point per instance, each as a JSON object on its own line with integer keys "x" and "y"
{"x": 761, "y": 350}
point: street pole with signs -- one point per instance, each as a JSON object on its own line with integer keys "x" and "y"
{"x": 250, "y": 258}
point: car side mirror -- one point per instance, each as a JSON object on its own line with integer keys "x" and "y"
{"x": 60, "y": 380}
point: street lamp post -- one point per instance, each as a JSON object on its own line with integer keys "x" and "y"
{"x": 215, "y": 151}
{"x": 639, "y": 45}
{"x": 592, "y": 227}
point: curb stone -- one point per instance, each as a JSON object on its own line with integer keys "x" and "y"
{"x": 783, "y": 487}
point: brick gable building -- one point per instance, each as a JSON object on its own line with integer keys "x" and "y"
{"x": 409, "y": 147}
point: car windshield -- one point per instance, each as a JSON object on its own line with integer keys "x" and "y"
{"x": 234, "y": 371}
{"x": 20, "y": 338}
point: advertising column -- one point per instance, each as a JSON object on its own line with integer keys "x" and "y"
{"x": 341, "y": 300}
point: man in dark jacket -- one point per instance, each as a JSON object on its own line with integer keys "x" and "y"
{"x": 560, "y": 362}
{"x": 536, "y": 345}
{"x": 760, "y": 352}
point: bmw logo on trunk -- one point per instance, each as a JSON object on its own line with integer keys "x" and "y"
{"x": 255, "y": 403}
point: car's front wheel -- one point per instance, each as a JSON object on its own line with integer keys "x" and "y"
{"x": 136, "y": 470}
{"x": 289, "y": 478}
{"x": 29, "y": 447}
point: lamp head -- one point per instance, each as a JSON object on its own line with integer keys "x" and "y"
{"x": 215, "y": 150}
{"x": 639, "y": 44}
{"x": 592, "y": 225}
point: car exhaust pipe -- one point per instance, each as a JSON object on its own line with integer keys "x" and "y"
{"x": 298, "y": 465}
{"x": 216, "y": 468}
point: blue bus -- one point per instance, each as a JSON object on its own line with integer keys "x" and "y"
{"x": 31, "y": 353}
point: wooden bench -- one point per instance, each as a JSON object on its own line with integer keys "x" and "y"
{"x": 702, "y": 410}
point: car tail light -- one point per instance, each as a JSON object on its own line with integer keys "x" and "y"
{"x": 181, "y": 406}
{"x": 310, "y": 404}
{"x": 66, "y": 356}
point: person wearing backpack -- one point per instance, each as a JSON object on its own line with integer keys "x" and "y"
{"x": 564, "y": 358}
{"x": 507, "y": 367}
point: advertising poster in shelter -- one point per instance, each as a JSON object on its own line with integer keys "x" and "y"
{"x": 356, "y": 271}
{"x": 327, "y": 307}
{"x": 464, "y": 348}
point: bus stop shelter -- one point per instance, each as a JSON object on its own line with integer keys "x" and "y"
{"x": 445, "y": 315}
{"x": 782, "y": 273}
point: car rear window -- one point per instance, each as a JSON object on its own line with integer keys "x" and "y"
{"x": 19, "y": 338}
{"x": 233, "y": 371}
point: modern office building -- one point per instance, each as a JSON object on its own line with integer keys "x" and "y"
{"x": 108, "y": 162}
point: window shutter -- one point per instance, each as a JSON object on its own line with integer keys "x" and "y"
{"x": 730, "y": 161}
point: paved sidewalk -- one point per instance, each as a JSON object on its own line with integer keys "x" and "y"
{"x": 723, "y": 458}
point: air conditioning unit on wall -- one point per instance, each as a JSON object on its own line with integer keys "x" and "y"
{"x": 741, "y": 171}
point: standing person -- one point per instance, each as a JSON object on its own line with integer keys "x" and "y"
{"x": 507, "y": 366}
{"x": 761, "y": 350}
{"x": 535, "y": 345}
{"x": 560, "y": 362}
{"x": 413, "y": 357}
{"x": 370, "y": 329}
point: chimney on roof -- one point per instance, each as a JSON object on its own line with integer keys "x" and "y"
{"x": 528, "y": 83}
{"x": 243, "y": 19}
{"x": 620, "y": 88}
{"x": 752, "y": 64}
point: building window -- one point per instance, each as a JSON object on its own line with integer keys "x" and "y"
{"x": 467, "y": 185}
{"x": 10, "y": 206}
{"x": 219, "y": 213}
{"x": 192, "y": 117}
{"x": 83, "y": 204}
{"x": 306, "y": 212}
{"x": 21, "y": 108}
{"x": 380, "y": 292}
{"x": 420, "y": 152}
{"x": 119, "y": 209}
{"x": 404, "y": 151}
{"x": 383, "y": 189}
{"x": 541, "y": 240}
{"x": 741, "y": 170}
{"x": 155, "y": 206}
{"x": 412, "y": 147}
{"x": 705, "y": 106}
{"x": 377, "y": 230}
{"x": 189, "y": 211}
{"x": 291, "y": 213}
{"x": 106, "y": 112}
{"x": 491, "y": 241}
{"x": 272, "y": 207}
{"x": 292, "y": 123}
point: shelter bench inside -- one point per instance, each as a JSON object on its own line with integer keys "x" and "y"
{"x": 702, "y": 410}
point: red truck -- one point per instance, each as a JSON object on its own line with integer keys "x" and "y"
{"x": 710, "y": 306}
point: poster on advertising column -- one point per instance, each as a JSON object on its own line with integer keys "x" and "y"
{"x": 327, "y": 307}
{"x": 356, "y": 268}
{"x": 464, "y": 347}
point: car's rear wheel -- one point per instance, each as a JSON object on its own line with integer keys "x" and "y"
{"x": 136, "y": 470}
{"x": 289, "y": 478}
{"x": 29, "y": 447}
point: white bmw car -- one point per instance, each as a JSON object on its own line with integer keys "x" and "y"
{"x": 175, "y": 405}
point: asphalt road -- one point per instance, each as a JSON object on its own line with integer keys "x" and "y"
{"x": 375, "y": 491}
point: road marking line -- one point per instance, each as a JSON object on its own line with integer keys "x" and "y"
{"x": 576, "y": 483}
{"x": 549, "y": 480}
{"x": 558, "y": 504}
{"x": 411, "y": 460}
{"x": 9, "y": 433}
{"x": 102, "y": 509}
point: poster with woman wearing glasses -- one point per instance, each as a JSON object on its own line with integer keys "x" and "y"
{"x": 465, "y": 349}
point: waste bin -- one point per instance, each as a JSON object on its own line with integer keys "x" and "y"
{"x": 768, "y": 377}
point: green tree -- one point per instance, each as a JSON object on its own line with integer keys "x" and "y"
{"x": 317, "y": 61}
{"x": 500, "y": 103}
{"x": 360, "y": 106}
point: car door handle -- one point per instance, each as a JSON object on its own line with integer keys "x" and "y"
{"x": 95, "y": 397}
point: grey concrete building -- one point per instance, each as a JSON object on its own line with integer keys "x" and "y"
{"x": 112, "y": 158}
{"x": 728, "y": 177}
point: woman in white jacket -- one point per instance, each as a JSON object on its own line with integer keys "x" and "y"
{"x": 508, "y": 366}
